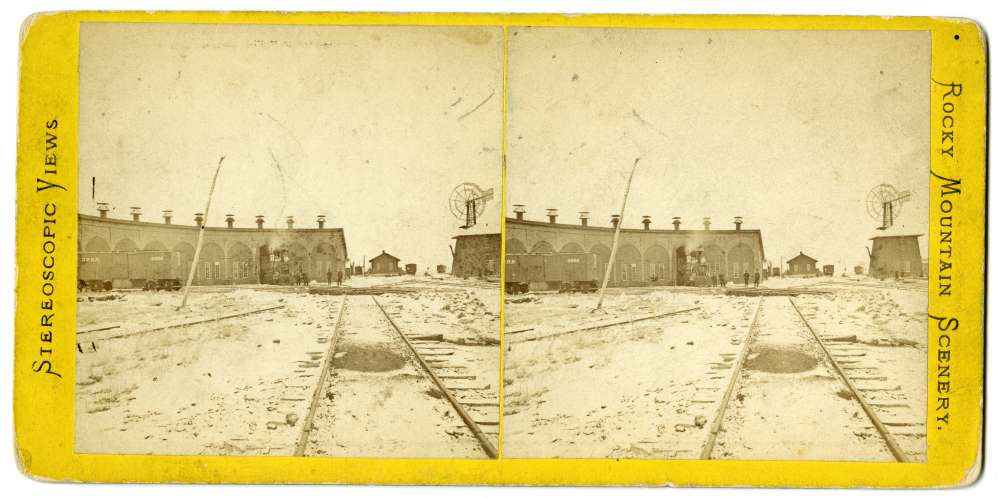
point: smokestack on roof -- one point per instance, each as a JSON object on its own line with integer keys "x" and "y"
{"x": 519, "y": 210}
{"x": 707, "y": 223}
{"x": 321, "y": 220}
{"x": 676, "y": 223}
{"x": 646, "y": 220}
{"x": 738, "y": 222}
{"x": 167, "y": 216}
{"x": 552, "y": 215}
{"x": 291, "y": 222}
{"x": 102, "y": 208}
{"x": 136, "y": 212}
{"x": 199, "y": 219}
{"x": 260, "y": 222}
{"x": 584, "y": 217}
{"x": 615, "y": 219}
{"x": 230, "y": 219}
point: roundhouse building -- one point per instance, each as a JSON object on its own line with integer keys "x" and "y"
{"x": 229, "y": 254}
{"x": 645, "y": 256}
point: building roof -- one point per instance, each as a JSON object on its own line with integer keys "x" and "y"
{"x": 476, "y": 235}
{"x": 384, "y": 255}
{"x": 336, "y": 235}
{"x": 894, "y": 231}
{"x": 802, "y": 255}
{"x": 895, "y": 236}
{"x": 660, "y": 231}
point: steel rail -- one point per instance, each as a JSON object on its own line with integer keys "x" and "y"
{"x": 303, "y": 438}
{"x": 487, "y": 446}
{"x": 189, "y": 324}
{"x": 709, "y": 443}
{"x": 893, "y": 446}
{"x": 601, "y": 325}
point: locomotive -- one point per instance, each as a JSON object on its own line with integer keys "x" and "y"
{"x": 564, "y": 272}
{"x": 150, "y": 270}
{"x": 694, "y": 270}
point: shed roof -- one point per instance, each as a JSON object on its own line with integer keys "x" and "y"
{"x": 384, "y": 255}
{"x": 802, "y": 255}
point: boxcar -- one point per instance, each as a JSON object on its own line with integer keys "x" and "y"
{"x": 564, "y": 272}
{"x": 828, "y": 270}
{"x": 571, "y": 272}
{"x": 411, "y": 269}
{"x": 151, "y": 270}
{"x": 520, "y": 268}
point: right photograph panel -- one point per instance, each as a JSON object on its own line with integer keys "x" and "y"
{"x": 716, "y": 244}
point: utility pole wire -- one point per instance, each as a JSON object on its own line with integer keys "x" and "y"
{"x": 201, "y": 235}
{"x": 617, "y": 233}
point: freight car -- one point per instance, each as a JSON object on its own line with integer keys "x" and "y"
{"x": 411, "y": 269}
{"x": 150, "y": 270}
{"x": 564, "y": 272}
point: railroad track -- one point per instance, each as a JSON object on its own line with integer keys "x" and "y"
{"x": 430, "y": 353}
{"x": 317, "y": 395}
{"x": 884, "y": 404}
{"x": 548, "y": 334}
{"x": 862, "y": 383}
{"x": 433, "y": 358}
{"x": 114, "y": 332}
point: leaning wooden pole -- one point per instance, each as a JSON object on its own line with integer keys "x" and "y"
{"x": 617, "y": 233}
{"x": 201, "y": 235}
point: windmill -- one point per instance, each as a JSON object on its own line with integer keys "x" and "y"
{"x": 884, "y": 204}
{"x": 468, "y": 202}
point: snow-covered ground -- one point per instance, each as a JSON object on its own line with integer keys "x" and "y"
{"x": 243, "y": 385}
{"x": 652, "y": 389}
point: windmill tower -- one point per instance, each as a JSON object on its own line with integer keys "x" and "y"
{"x": 467, "y": 202}
{"x": 884, "y": 204}
{"x": 892, "y": 254}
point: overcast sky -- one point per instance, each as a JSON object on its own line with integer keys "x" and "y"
{"x": 790, "y": 130}
{"x": 371, "y": 126}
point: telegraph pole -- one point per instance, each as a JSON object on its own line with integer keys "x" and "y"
{"x": 617, "y": 233}
{"x": 201, "y": 235}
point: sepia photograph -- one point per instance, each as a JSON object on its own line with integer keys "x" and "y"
{"x": 289, "y": 240}
{"x": 716, "y": 244}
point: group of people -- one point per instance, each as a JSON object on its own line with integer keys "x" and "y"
{"x": 719, "y": 280}
{"x": 329, "y": 278}
{"x": 756, "y": 279}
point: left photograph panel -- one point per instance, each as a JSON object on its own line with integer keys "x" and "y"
{"x": 289, "y": 240}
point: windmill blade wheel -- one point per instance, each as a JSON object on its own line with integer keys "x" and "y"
{"x": 460, "y": 195}
{"x": 876, "y": 199}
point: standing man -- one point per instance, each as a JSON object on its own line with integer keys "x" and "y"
{"x": 745, "y": 278}
{"x": 339, "y": 278}
{"x": 329, "y": 277}
{"x": 756, "y": 280}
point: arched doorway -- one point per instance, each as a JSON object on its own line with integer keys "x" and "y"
{"x": 186, "y": 256}
{"x": 125, "y": 245}
{"x": 210, "y": 263}
{"x": 657, "y": 265}
{"x": 514, "y": 246}
{"x": 240, "y": 263}
{"x": 603, "y": 257}
{"x": 572, "y": 247}
{"x": 628, "y": 265}
{"x": 741, "y": 260}
{"x": 714, "y": 258}
{"x": 154, "y": 245}
{"x": 97, "y": 244}
{"x": 542, "y": 247}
